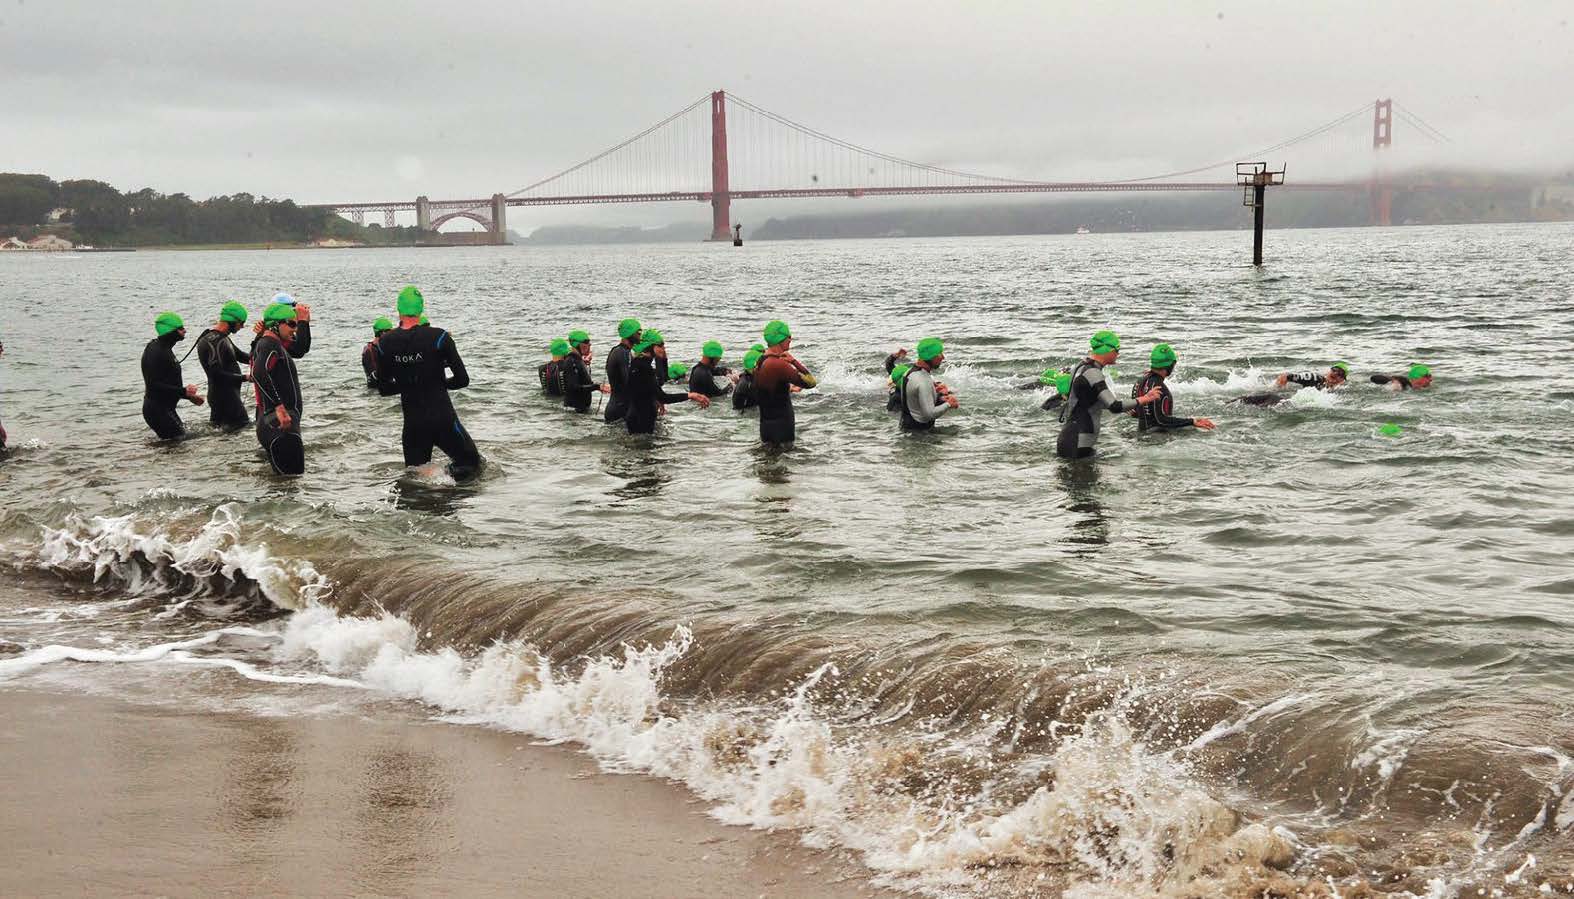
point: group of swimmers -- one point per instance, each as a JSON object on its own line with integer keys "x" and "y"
{"x": 420, "y": 364}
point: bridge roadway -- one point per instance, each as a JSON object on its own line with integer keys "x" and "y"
{"x": 809, "y": 192}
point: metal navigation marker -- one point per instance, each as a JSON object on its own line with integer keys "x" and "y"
{"x": 1255, "y": 178}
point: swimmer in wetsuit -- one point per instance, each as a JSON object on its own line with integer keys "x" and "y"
{"x": 1090, "y": 394}
{"x": 369, "y": 352}
{"x": 676, "y": 373}
{"x": 1419, "y": 377}
{"x": 1159, "y": 416}
{"x": 551, "y": 371}
{"x": 921, "y": 400}
{"x": 1337, "y": 376}
{"x": 743, "y": 396}
{"x": 703, "y": 378}
{"x": 577, "y": 383}
{"x": 162, "y": 389}
{"x": 774, "y": 378}
{"x": 411, "y": 361}
{"x": 277, "y": 389}
{"x": 221, "y": 361}
{"x": 618, "y": 362}
{"x": 645, "y": 394}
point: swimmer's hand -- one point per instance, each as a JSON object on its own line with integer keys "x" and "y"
{"x": 1150, "y": 396}
{"x": 701, "y": 399}
{"x": 951, "y": 400}
{"x": 303, "y": 312}
{"x": 1282, "y": 380}
{"x": 606, "y": 388}
{"x": 284, "y": 417}
{"x": 193, "y": 395}
{"x": 1205, "y": 423}
{"x": 809, "y": 381}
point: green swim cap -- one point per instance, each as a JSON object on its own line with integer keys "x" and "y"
{"x": 776, "y": 332}
{"x": 559, "y": 347}
{"x": 1344, "y": 369}
{"x": 381, "y": 325}
{"x": 1047, "y": 376}
{"x": 576, "y": 337}
{"x": 649, "y": 339}
{"x": 1390, "y": 430}
{"x": 278, "y": 312}
{"x": 900, "y": 372}
{"x": 758, "y": 348}
{"x": 677, "y": 370}
{"x": 410, "y": 301}
{"x": 1063, "y": 383}
{"x": 712, "y": 349}
{"x": 233, "y": 312}
{"x": 166, "y": 322}
{"x": 751, "y": 360}
{"x": 424, "y": 321}
{"x": 930, "y": 348}
{"x": 1419, "y": 371}
{"x": 628, "y": 328}
{"x": 1104, "y": 342}
{"x": 1163, "y": 356}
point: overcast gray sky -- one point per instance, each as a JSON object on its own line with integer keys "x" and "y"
{"x": 340, "y": 100}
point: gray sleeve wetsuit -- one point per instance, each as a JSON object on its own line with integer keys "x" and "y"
{"x": 922, "y": 404}
{"x": 1090, "y": 393}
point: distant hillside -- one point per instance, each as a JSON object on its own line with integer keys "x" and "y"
{"x": 93, "y": 212}
{"x": 683, "y": 232}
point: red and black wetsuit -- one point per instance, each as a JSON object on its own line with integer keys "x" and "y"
{"x": 774, "y": 379}
{"x": 275, "y": 383}
{"x": 1157, "y": 415}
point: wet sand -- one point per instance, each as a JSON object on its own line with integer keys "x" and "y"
{"x": 109, "y": 797}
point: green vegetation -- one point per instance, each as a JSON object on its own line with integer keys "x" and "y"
{"x": 97, "y": 213}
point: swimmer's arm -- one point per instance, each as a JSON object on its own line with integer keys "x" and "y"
{"x": 460, "y": 378}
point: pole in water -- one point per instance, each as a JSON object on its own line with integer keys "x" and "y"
{"x": 1255, "y": 178}
{"x": 737, "y": 235}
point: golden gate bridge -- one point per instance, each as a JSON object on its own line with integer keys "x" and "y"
{"x": 723, "y": 148}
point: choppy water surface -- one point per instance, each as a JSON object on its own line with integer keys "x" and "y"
{"x": 1292, "y": 654}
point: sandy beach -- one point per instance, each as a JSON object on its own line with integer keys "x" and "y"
{"x": 102, "y": 796}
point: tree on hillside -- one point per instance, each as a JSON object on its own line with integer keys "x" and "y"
{"x": 26, "y": 199}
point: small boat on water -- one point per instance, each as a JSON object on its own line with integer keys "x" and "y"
{"x": 1083, "y": 229}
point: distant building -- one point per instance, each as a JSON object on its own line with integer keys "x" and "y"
{"x": 333, "y": 242}
{"x": 12, "y": 243}
{"x": 58, "y": 213}
{"x": 49, "y": 242}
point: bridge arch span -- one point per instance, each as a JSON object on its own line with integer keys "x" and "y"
{"x": 483, "y": 221}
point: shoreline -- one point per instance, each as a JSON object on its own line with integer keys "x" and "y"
{"x": 108, "y": 795}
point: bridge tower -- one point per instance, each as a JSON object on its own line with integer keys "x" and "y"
{"x": 1382, "y": 138}
{"x": 423, "y": 213}
{"x": 720, "y": 196}
{"x": 499, "y": 227}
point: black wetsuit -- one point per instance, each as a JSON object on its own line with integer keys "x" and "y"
{"x": 645, "y": 396}
{"x": 618, "y": 377}
{"x": 1090, "y": 396}
{"x": 743, "y": 392}
{"x": 275, "y": 383}
{"x": 1307, "y": 379}
{"x": 578, "y": 387}
{"x": 893, "y": 393}
{"x": 162, "y": 387}
{"x": 774, "y": 379}
{"x": 1401, "y": 380}
{"x": 702, "y": 380}
{"x": 1157, "y": 415}
{"x": 411, "y": 363}
{"x": 221, "y": 362}
{"x": 551, "y": 375}
{"x": 369, "y": 363}
{"x": 1302, "y": 379}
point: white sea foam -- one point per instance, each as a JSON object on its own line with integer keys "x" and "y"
{"x": 144, "y": 558}
{"x": 1117, "y": 813}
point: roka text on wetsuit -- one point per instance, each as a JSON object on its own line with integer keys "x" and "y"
{"x": 1090, "y": 395}
{"x": 221, "y": 361}
{"x": 411, "y": 362}
{"x": 1157, "y": 415}
{"x": 162, "y": 387}
{"x": 645, "y": 396}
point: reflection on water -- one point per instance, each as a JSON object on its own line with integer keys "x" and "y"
{"x": 1080, "y": 480}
